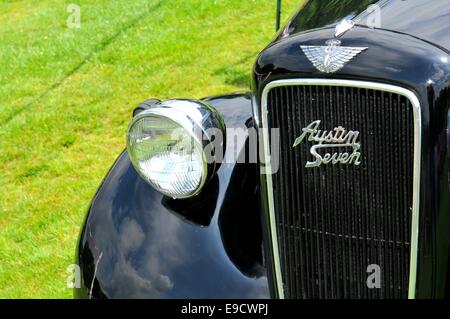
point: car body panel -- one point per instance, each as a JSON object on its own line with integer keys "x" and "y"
{"x": 408, "y": 62}
{"x": 151, "y": 246}
{"x": 431, "y": 24}
{"x": 141, "y": 244}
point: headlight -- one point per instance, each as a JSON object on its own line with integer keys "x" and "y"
{"x": 166, "y": 145}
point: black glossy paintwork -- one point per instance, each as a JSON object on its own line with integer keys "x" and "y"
{"x": 427, "y": 20}
{"x": 405, "y": 61}
{"x": 155, "y": 247}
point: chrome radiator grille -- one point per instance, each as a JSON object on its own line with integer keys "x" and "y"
{"x": 333, "y": 221}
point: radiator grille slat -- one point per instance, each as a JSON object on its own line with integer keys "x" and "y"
{"x": 333, "y": 221}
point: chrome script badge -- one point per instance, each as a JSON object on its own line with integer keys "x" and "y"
{"x": 339, "y": 139}
{"x": 332, "y": 57}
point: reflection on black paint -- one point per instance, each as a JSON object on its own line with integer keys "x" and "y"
{"x": 198, "y": 210}
{"x": 240, "y": 221}
{"x": 431, "y": 22}
{"x": 322, "y": 13}
{"x": 150, "y": 252}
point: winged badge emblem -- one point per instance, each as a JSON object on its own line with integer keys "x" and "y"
{"x": 332, "y": 57}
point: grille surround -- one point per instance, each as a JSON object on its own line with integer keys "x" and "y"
{"x": 271, "y": 217}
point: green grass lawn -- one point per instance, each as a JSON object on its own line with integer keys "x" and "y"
{"x": 66, "y": 97}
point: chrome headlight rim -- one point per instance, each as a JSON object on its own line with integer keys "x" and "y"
{"x": 180, "y": 112}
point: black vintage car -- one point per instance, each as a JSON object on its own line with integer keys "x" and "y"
{"x": 350, "y": 197}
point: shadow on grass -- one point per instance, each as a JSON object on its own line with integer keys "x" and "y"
{"x": 33, "y": 171}
{"x": 238, "y": 73}
{"x": 101, "y": 47}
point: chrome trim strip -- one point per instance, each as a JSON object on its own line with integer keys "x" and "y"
{"x": 417, "y": 162}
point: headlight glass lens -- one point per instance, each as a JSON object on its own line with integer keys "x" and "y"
{"x": 166, "y": 156}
